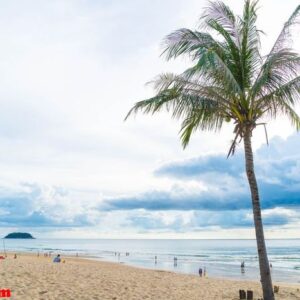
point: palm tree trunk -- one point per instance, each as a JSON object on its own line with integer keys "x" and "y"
{"x": 265, "y": 275}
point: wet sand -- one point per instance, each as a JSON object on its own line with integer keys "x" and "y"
{"x": 32, "y": 277}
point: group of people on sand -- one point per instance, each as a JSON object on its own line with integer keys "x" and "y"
{"x": 57, "y": 259}
{"x": 202, "y": 272}
{"x": 46, "y": 254}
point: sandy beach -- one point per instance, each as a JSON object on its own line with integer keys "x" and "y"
{"x": 32, "y": 277}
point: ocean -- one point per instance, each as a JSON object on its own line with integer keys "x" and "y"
{"x": 220, "y": 258}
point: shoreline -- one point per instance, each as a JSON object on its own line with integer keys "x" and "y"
{"x": 155, "y": 267}
{"x": 32, "y": 277}
{"x": 142, "y": 267}
{"x": 96, "y": 259}
{"x": 221, "y": 259}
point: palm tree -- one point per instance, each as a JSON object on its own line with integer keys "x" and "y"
{"x": 230, "y": 81}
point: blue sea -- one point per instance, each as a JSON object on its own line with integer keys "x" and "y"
{"x": 220, "y": 258}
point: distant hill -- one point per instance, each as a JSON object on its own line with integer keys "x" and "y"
{"x": 19, "y": 235}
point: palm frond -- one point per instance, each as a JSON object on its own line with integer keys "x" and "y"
{"x": 291, "y": 114}
{"x": 181, "y": 95}
{"x": 222, "y": 14}
{"x": 214, "y": 69}
{"x": 229, "y": 52}
{"x": 204, "y": 118}
{"x": 154, "y": 104}
{"x": 186, "y": 41}
{"x": 281, "y": 60}
{"x": 283, "y": 39}
{"x": 195, "y": 85}
{"x": 250, "y": 58}
{"x": 278, "y": 70}
{"x": 280, "y": 101}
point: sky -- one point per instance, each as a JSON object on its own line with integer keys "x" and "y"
{"x": 70, "y": 165}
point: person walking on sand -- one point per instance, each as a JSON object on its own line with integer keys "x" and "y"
{"x": 200, "y": 272}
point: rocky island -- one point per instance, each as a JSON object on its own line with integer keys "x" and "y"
{"x": 19, "y": 235}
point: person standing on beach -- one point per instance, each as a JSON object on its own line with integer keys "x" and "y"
{"x": 200, "y": 272}
{"x": 243, "y": 267}
{"x": 175, "y": 261}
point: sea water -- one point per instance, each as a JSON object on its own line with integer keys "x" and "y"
{"x": 220, "y": 258}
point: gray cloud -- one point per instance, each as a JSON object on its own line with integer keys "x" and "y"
{"x": 227, "y": 190}
{"x": 38, "y": 206}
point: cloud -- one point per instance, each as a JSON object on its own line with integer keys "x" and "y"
{"x": 203, "y": 165}
{"x": 43, "y": 206}
{"x": 183, "y": 221}
{"x": 206, "y": 193}
{"x": 159, "y": 200}
{"x": 224, "y": 199}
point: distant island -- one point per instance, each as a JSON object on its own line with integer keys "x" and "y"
{"x": 19, "y": 235}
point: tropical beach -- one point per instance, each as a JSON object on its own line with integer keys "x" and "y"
{"x": 31, "y": 277}
{"x": 144, "y": 269}
{"x": 150, "y": 150}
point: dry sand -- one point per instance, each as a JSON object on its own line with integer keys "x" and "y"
{"x": 31, "y": 277}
